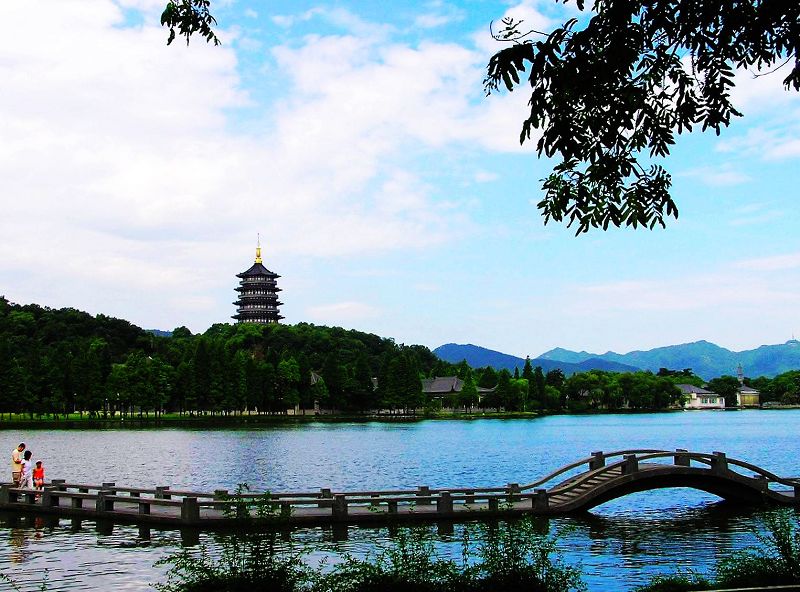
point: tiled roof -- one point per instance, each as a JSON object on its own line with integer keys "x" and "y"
{"x": 257, "y": 269}
{"x": 690, "y": 389}
{"x": 444, "y": 384}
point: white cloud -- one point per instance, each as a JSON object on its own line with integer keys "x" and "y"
{"x": 772, "y": 263}
{"x": 120, "y": 157}
{"x": 757, "y": 92}
{"x": 342, "y": 312}
{"x": 722, "y": 176}
{"x": 696, "y": 293}
{"x": 485, "y": 176}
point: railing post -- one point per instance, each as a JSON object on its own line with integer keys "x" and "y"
{"x": 325, "y": 494}
{"x": 513, "y": 488}
{"x": 375, "y": 500}
{"x": 681, "y": 458}
{"x": 110, "y": 486}
{"x": 598, "y": 460}
{"x": 541, "y": 502}
{"x": 144, "y": 508}
{"x": 103, "y": 504}
{"x": 5, "y": 496}
{"x": 444, "y": 503}
{"x": 339, "y": 506}
{"x": 392, "y": 506}
{"x": 424, "y": 493}
{"x": 76, "y": 503}
{"x": 162, "y": 492}
{"x": 469, "y": 498}
{"x": 719, "y": 462}
{"x": 48, "y": 499}
{"x": 494, "y": 504}
{"x": 762, "y": 483}
{"x": 190, "y": 510}
{"x": 630, "y": 464}
{"x": 286, "y": 509}
{"x": 60, "y": 483}
{"x": 797, "y": 491}
{"x": 220, "y": 494}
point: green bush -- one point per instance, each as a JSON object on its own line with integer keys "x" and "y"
{"x": 774, "y": 562}
{"x": 510, "y": 557}
{"x": 676, "y": 583}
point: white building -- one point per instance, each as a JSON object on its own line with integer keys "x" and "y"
{"x": 699, "y": 398}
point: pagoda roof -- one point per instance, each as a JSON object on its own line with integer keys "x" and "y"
{"x": 257, "y": 269}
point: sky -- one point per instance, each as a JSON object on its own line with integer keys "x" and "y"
{"x": 389, "y": 193}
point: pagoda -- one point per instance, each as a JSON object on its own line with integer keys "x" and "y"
{"x": 258, "y": 294}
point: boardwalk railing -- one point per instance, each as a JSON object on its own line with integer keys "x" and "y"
{"x": 572, "y": 487}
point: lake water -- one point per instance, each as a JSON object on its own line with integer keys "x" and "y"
{"x": 620, "y": 544}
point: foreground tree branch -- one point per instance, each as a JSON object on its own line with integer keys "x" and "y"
{"x": 189, "y": 17}
{"x": 621, "y": 87}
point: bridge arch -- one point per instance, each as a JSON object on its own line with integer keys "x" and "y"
{"x": 609, "y": 478}
{"x": 721, "y": 487}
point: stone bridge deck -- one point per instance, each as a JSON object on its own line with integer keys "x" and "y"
{"x": 576, "y": 487}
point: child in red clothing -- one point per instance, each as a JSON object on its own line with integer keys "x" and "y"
{"x": 38, "y": 475}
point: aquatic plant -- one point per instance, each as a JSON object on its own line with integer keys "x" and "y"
{"x": 508, "y": 556}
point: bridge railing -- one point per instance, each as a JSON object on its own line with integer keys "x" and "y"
{"x": 716, "y": 461}
{"x": 722, "y": 462}
{"x": 595, "y": 461}
{"x": 192, "y": 505}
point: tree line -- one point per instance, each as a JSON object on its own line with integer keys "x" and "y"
{"x": 58, "y": 362}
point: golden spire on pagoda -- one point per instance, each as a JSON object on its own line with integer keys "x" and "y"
{"x": 258, "y": 249}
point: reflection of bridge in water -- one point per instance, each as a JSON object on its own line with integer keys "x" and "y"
{"x": 576, "y": 487}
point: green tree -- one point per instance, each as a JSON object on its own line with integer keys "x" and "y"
{"x": 623, "y": 82}
{"x": 360, "y": 384}
{"x": 502, "y": 394}
{"x": 727, "y": 387}
{"x": 468, "y": 397}
{"x": 488, "y": 378}
{"x": 555, "y": 378}
{"x": 288, "y": 381}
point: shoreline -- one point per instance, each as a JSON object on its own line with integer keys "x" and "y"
{"x": 229, "y": 421}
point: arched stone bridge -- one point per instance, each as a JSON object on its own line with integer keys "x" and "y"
{"x": 579, "y": 486}
{"x": 616, "y": 474}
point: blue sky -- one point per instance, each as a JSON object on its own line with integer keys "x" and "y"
{"x": 390, "y": 194}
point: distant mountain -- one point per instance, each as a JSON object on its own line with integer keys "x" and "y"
{"x": 159, "y": 332}
{"x": 706, "y": 359}
{"x": 478, "y": 357}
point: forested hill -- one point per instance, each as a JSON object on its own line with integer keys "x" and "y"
{"x": 478, "y": 357}
{"x": 704, "y": 358}
{"x": 59, "y": 361}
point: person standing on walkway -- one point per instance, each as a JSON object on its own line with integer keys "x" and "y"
{"x": 26, "y": 475}
{"x": 16, "y": 463}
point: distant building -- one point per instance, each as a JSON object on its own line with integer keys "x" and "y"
{"x": 747, "y": 396}
{"x": 699, "y": 398}
{"x": 441, "y": 386}
{"x": 258, "y": 294}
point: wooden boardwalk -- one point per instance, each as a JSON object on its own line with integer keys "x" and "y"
{"x": 576, "y": 487}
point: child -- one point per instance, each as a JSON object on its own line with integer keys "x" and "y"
{"x": 38, "y": 475}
